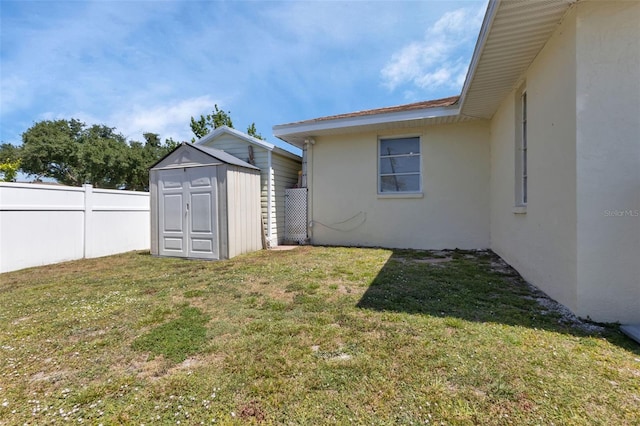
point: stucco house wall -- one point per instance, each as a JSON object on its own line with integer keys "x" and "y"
{"x": 608, "y": 160}
{"x": 453, "y": 210}
{"x": 579, "y": 237}
{"x": 540, "y": 240}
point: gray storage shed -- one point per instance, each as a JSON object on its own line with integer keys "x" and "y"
{"x": 205, "y": 204}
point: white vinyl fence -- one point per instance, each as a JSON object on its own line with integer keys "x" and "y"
{"x": 44, "y": 224}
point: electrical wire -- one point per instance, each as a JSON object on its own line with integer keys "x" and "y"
{"x": 333, "y": 228}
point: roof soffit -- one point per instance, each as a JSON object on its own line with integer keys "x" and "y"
{"x": 513, "y": 34}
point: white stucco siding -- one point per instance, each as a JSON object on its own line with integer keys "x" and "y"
{"x": 285, "y": 175}
{"x": 608, "y": 165}
{"x": 453, "y": 211}
{"x": 541, "y": 243}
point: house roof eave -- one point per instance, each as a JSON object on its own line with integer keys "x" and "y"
{"x": 501, "y": 32}
{"x": 296, "y": 133}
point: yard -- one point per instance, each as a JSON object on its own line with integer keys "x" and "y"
{"x": 314, "y": 335}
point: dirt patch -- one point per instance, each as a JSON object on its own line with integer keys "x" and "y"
{"x": 344, "y": 290}
{"x": 252, "y": 410}
{"x": 340, "y": 357}
{"x": 283, "y": 248}
{"x": 51, "y": 377}
{"x": 427, "y": 260}
{"x": 500, "y": 266}
{"x": 19, "y": 320}
{"x": 187, "y": 364}
{"x": 150, "y": 369}
{"x": 566, "y": 316}
{"x": 433, "y": 261}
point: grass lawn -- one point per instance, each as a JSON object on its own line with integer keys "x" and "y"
{"x": 314, "y": 335}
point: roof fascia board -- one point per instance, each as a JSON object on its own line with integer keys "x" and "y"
{"x": 284, "y": 130}
{"x": 247, "y": 138}
{"x": 230, "y": 131}
{"x": 286, "y": 153}
{"x": 187, "y": 145}
{"x": 487, "y": 23}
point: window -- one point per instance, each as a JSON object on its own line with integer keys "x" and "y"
{"x": 521, "y": 150}
{"x": 399, "y": 165}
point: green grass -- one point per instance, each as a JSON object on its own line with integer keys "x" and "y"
{"x": 176, "y": 339}
{"x": 315, "y": 335}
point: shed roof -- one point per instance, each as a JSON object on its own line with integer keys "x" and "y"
{"x": 511, "y": 36}
{"x": 216, "y": 154}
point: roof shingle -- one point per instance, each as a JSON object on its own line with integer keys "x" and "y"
{"x": 445, "y": 102}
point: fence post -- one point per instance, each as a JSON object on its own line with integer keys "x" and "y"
{"x": 88, "y": 218}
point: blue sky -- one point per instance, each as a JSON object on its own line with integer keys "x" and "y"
{"x": 149, "y": 66}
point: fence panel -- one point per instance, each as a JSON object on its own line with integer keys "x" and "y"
{"x": 44, "y": 224}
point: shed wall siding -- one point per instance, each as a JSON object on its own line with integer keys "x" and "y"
{"x": 243, "y": 204}
{"x": 240, "y": 149}
{"x": 454, "y": 211}
{"x": 285, "y": 175}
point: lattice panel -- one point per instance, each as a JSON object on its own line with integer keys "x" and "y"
{"x": 295, "y": 218}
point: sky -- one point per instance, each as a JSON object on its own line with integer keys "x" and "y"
{"x": 149, "y": 66}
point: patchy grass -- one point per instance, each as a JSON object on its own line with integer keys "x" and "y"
{"x": 176, "y": 339}
{"x": 312, "y": 335}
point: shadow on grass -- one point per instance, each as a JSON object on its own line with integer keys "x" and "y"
{"x": 474, "y": 286}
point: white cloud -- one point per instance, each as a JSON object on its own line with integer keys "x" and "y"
{"x": 440, "y": 60}
{"x": 170, "y": 120}
{"x": 150, "y": 66}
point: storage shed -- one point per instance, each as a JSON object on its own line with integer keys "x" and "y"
{"x": 278, "y": 171}
{"x": 205, "y": 204}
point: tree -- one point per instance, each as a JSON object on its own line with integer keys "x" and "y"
{"x": 205, "y": 124}
{"x": 251, "y": 131}
{"x": 51, "y": 149}
{"x": 9, "y": 152}
{"x": 103, "y": 156}
{"x": 9, "y": 162}
{"x": 9, "y": 170}
{"x": 73, "y": 154}
{"x": 144, "y": 155}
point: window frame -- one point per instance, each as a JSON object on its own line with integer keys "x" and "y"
{"x": 381, "y": 157}
{"x": 521, "y": 152}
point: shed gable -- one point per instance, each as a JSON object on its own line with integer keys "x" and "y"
{"x": 184, "y": 156}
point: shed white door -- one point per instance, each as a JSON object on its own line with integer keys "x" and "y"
{"x": 188, "y": 219}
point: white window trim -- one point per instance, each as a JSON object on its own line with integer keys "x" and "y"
{"x": 400, "y": 194}
{"x": 521, "y": 148}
